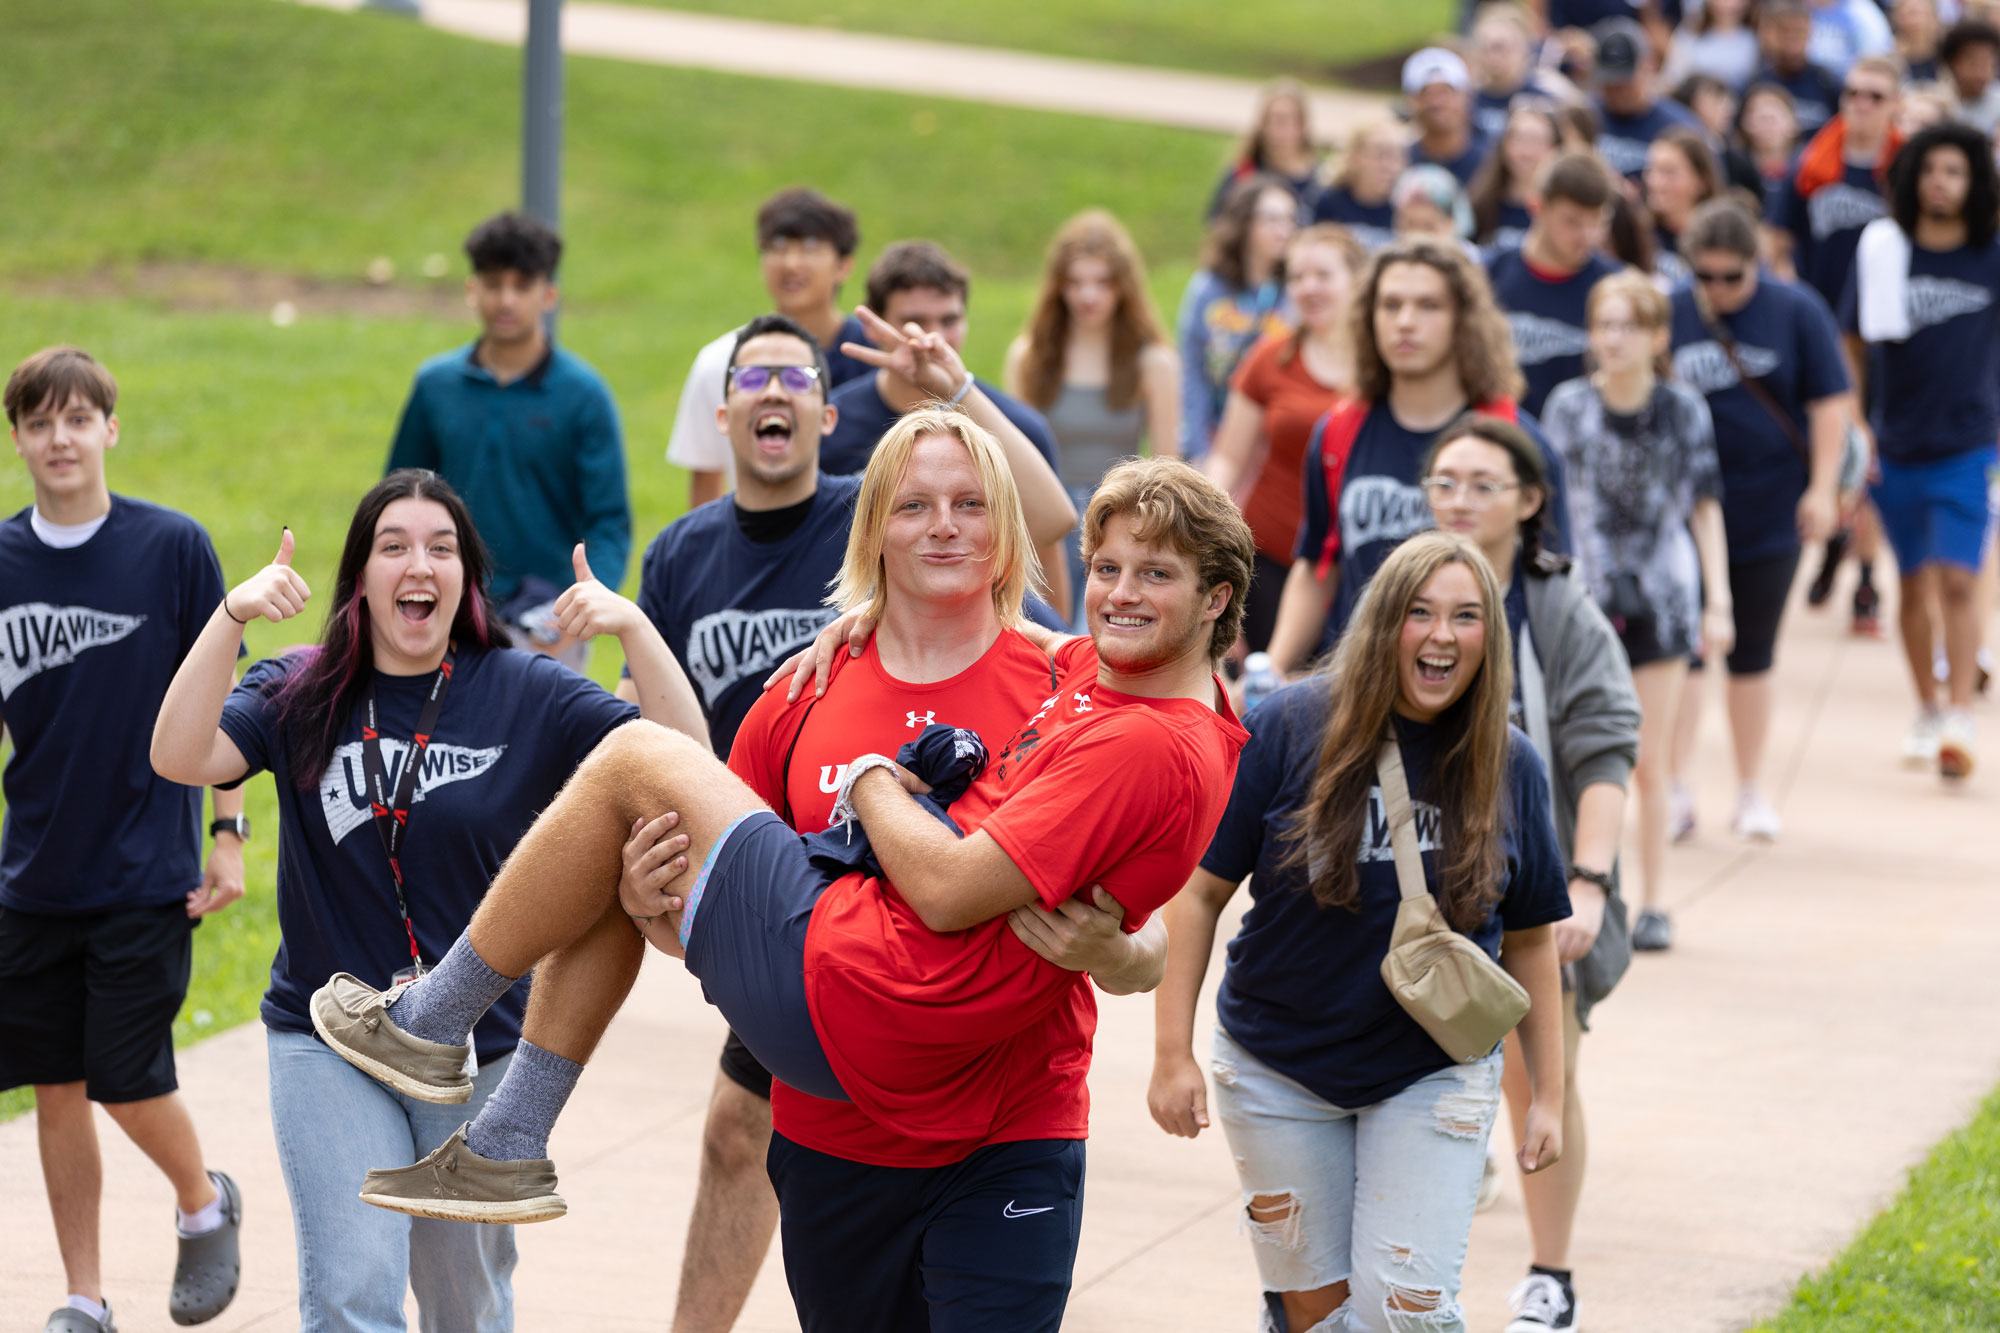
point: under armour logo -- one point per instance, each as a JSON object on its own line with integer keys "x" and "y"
{"x": 1082, "y": 702}
{"x": 928, "y": 718}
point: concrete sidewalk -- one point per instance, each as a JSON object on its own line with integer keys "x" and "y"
{"x": 890, "y": 64}
{"x": 1754, "y": 1095}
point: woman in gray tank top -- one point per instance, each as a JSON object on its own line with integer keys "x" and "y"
{"x": 1097, "y": 362}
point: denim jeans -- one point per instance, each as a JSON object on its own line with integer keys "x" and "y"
{"x": 1380, "y": 1197}
{"x": 333, "y": 1123}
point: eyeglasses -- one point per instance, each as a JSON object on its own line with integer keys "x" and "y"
{"x": 1872, "y": 96}
{"x": 1478, "y": 494}
{"x": 792, "y": 379}
{"x": 1729, "y": 279}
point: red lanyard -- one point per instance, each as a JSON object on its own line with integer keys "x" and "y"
{"x": 392, "y": 816}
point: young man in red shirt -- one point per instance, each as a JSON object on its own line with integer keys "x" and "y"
{"x": 909, "y": 996}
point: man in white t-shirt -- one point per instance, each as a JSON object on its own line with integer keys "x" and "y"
{"x": 805, "y": 247}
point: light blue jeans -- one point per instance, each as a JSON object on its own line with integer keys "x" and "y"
{"x": 333, "y": 1123}
{"x": 1380, "y": 1197}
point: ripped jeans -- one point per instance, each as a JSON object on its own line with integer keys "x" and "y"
{"x": 1380, "y": 1197}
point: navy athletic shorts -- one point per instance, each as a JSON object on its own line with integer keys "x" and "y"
{"x": 92, "y": 999}
{"x": 745, "y": 935}
{"x": 986, "y": 1245}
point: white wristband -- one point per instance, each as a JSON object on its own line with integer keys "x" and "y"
{"x": 843, "y": 804}
{"x": 963, "y": 390}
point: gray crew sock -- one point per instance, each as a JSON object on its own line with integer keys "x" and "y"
{"x": 514, "y": 1124}
{"x": 444, "y": 1003}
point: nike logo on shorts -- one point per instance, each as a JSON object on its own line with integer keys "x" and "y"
{"x": 1011, "y": 1211}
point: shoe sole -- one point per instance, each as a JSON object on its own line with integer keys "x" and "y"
{"x": 1954, "y": 763}
{"x": 395, "y": 1078}
{"x": 493, "y": 1212}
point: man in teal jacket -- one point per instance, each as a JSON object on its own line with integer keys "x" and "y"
{"x": 527, "y": 433}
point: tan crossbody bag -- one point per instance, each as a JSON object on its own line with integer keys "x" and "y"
{"x": 1464, "y": 999}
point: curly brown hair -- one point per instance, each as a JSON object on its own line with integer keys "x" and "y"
{"x": 1482, "y": 345}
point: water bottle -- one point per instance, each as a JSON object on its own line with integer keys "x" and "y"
{"x": 1260, "y": 680}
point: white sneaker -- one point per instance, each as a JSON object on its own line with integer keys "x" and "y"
{"x": 1680, "y": 816}
{"x": 1755, "y": 819}
{"x": 1954, "y": 748}
{"x": 1920, "y": 747}
{"x": 1540, "y": 1305}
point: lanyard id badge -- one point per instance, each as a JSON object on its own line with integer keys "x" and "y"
{"x": 391, "y": 811}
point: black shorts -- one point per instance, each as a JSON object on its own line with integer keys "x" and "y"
{"x": 1758, "y": 591}
{"x": 742, "y": 1067}
{"x": 92, "y": 999}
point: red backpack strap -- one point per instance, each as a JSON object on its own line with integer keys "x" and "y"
{"x": 1504, "y": 408}
{"x": 1337, "y": 432}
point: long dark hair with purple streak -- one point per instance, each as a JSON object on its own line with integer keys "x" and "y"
{"x": 317, "y": 696}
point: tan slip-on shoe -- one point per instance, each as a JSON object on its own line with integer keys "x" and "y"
{"x": 455, "y": 1184}
{"x": 352, "y": 1017}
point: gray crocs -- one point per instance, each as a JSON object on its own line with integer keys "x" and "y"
{"x": 207, "y": 1275}
{"x": 67, "y": 1320}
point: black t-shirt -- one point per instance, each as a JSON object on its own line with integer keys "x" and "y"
{"x": 1303, "y": 990}
{"x": 90, "y": 637}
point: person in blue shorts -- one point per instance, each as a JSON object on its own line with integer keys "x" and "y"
{"x": 1926, "y": 300}
{"x": 101, "y": 878}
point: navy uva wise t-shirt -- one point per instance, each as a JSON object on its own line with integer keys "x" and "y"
{"x": 1303, "y": 989}
{"x": 515, "y": 725}
{"x": 90, "y": 638}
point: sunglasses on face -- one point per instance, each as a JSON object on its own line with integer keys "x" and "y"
{"x": 792, "y": 379}
{"x": 1728, "y": 279}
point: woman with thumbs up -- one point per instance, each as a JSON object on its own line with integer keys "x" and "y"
{"x": 408, "y": 715}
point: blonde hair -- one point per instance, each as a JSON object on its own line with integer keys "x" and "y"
{"x": 1011, "y": 561}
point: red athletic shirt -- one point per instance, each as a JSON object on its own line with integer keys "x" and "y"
{"x": 793, "y": 755}
{"x": 934, "y": 1035}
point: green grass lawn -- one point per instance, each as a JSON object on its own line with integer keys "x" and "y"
{"x": 1308, "y": 38}
{"x": 1931, "y": 1262}
{"x": 252, "y": 138}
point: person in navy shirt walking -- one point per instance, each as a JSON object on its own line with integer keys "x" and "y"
{"x": 411, "y": 751}
{"x": 1544, "y": 285}
{"x": 1764, "y": 353}
{"x": 101, "y": 877}
{"x": 526, "y": 432}
{"x": 1358, "y": 1142}
{"x": 1926, "y": 299}
{"x": 1629, "y": 106}
{"x": 1429, "y": 344}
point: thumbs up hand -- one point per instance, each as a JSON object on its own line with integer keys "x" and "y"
{"x": 275, "y": 592}
{"x": 589, "y": 608}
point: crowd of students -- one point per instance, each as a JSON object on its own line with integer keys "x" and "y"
{"x": 1555, "y": 355}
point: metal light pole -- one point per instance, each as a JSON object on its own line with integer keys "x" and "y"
{"x": 542, "y": 117}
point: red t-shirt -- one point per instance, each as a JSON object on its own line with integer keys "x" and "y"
{"x": 1293, "y": 402}
{"x": 935, "y": 1036}
{"x": 793, "y": 755}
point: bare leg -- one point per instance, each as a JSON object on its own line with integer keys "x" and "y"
{"x": 73, "y": 1174}
{"x": 1750, "y": 725}
{"x": 1660, "y": 686}
{"x": 164, "y": 1131}
{"x": 1958, "y": 598}
{"x": 735, "y": 1212}
{"x": 1687, "y": 726}
{"x": 1550, "y": 1196}
{"x": 1919, "y": 633}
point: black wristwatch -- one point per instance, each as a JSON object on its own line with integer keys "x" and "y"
{"x": 1601, "y": 878}
{"x": 240, "y": 826}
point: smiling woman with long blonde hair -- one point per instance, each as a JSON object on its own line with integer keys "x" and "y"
{"x": 1359, "y": 1142}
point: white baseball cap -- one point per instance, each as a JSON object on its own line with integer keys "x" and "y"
{"x": 1435, "y": 64}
